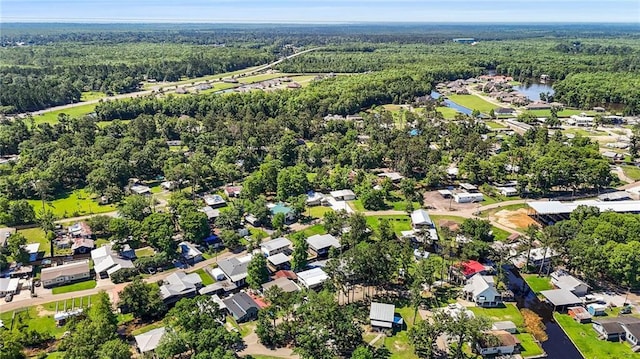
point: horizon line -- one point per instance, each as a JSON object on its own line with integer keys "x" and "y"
{"x": 100, "y": 21}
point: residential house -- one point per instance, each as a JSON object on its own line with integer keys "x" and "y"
{"x": 180, "y": 285}
{"x": 320, "y": 244}
{"x": 212, "y": 214}
{"x": 252, "y": 220}
{"x": 235, "y": 269}
{"x": 312, "y": 278}
{"x": 455, "y": 310}
{"x": 233, "y": 191}
{"x": 242, "y": 307}
{"x": 481, "y": 290}
{"x": 8, "y": 286}
{"x": 612, "y": 328}
{"x": 580, "y": 120}
{"x": 285, "y": 284}
{"x": 278, "y": 262}
{"x": 540, "y": 256}
{"x": 395, "y": 177}
{"x": 314, "y": 199}
{"x": 507, "y": 343}
{"x": 32, "y": 249}
{"x": 613, "y": 156}
{"x": 538, "y": 106}
{"x": 466, "y": 270}
{"x": 382, "y": 316}
{"x": 82, "y": 245}
{"x": 420, "y": 219}
{"x": 507, "y": 191}
{"x": 106, "y": 261}
{"x": 189, "y": 252}
{"x": 214, "y": 201}
{"x": 140, "y": 190}
{"x": 507, "y": 325}
{"x": 149, "y": 341}
{"x": 563, "y": 280}
{"x": 275, "y": 246}
{"x": 468, "y": 187}
{"x": 343, "y": 195}
{"x": 168, "y": 185}
{"x": 80, "y": 230}
{"x": 579, "y": 314}
{"x": 632, "y": 335}
{"x": 503, "y": 111}
{"x": 289, "y": 214}
{"x": 64, "y": 274}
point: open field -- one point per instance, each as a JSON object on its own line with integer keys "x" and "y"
{"x": 36, "y": 235}
{"x": 77, "y": 111}
{"x": 399, "y": 344}
{"x": 584, "y": 132}
{"x": 259, "y": 78}
{"x": 515, "y": 218}
{"x": 632, "y": 172}
{"x": 561, "y": 114}
{"x": 473, "y": 102}
{"x": 398, "y": 223}
{"x": 530, "y": 347}
{"x": 75, "y": 287}
{"x": 74, "y": 204}
{"x": 585, "y": 338}
{"x": 509, "y": 312}
{"x": 537, "y": 284}
{"x": 92, "y": 95}
{"x": 317, "y": 211}
{"x": 494, "y": 125}
{"x": 315, "y": 229}
{"x": 447, "y": 112}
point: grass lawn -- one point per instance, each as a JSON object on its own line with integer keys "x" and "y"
{"x": 584, "y": 132}
{"x": 632, "y": 172}
{"x": 92, "y": 95}
{"x": 247, "y": 328}
{"x": 509, "y": 207}
{"x": 259, "y": 78}
{"x": 70, "y": 303}
{"x": 437, "y": 218}
{"x": 473, "y": 102}
{"x": 255, "y": 232}
{"x": 218, "y": 87}
{"x": 148, "y": 328}
{"x": 304, "y": 80}
{"x": 103, "y": 124}
{"x": 447, "y": 112}
{"x": 315, "y": 229}
{"x": 55, "y": 355}
{"x": 585, "y": 338}
{"x": 493, "y": 125}
{"x": 36, "y": 235}
{"x": 399, "y": 205}
{"x": 356, "y": 205}
{"x": 145, "y": 252}
{"x": 317, "y": 211}
{"x": 206, "y": 278}
{"x": 563, "y": 113}
{"x": 31, "y": 318}
{"x": 76, "y": 111}
{"x": 399, "y": 344}
{"x": 530, "y": 347}
{"x": 537, "y": 284}
{"x": 398, "y": 223}
{"x": 509, "y": 312}
{"x": 74, "y": 204}
{"x": 75, "y": 287}
{"x": 500, "y": 234}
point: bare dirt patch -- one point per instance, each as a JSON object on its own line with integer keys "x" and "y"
{"x": 514, "y": 219}
{"x": 43, "y": 312}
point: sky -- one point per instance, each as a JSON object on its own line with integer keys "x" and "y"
{"x": 318, "y": 11}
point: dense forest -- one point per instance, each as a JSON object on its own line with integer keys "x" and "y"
{"x": 54, "y": 66}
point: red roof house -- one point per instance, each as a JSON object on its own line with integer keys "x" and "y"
{"x": 471, "y": 268}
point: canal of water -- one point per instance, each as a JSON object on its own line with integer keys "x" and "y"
{"x": 558, "y": 345}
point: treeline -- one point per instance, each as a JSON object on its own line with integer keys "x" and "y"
{"x": 39, "y": 77}
{"x": 586, "y": 90}
{"x": 340, "y": 95}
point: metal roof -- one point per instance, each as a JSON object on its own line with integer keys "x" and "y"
{"x": 275, "y": 244}
{"x": 278, "y": 259}
{"x": 557, "y": 207}
{"x": 149, "y": 341}
{"x": 421, "y": 217}
{"x": 560, "y": 297}
{"x": 320, "y": 241}
{"x": 382, "y": 312}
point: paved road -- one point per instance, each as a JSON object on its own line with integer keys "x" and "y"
{"x": 168, "y": 87}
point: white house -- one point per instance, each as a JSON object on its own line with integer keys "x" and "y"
{"x": 481, "y": 290}
{"x": 189, "y": 252}
{"x": 66, "y": 273}
{"x": 8, "y": 286}
{"x": 383, "y": 316}
{"x": 506, "y": 343}
{"x": 420, "y": 219}
{"x": 214, "y": 201}
{"x": 312, "y": 278}
{"x": 343, "y": 195}
{"x": 106, "y": 262}
{"x": 150, "y": 340}
{"x": 464, "y": 197}
{"x": 314, "y": 199}
{"x": 320, "y": 244}
{"x": 563, "y": 280}
{"x": 275, "y": 246}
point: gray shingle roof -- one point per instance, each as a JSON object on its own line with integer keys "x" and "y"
{"x": 239, "y": 304}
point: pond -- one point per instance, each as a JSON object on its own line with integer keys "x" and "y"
{"x": 558, "y": 345}
{"x": 452, "y": 104}
{"x": 533, "y": 90}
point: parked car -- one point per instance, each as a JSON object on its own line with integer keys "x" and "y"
{"x": 8, "y": 298}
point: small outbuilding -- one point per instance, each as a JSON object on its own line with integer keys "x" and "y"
{"x": 382, "y": 316}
